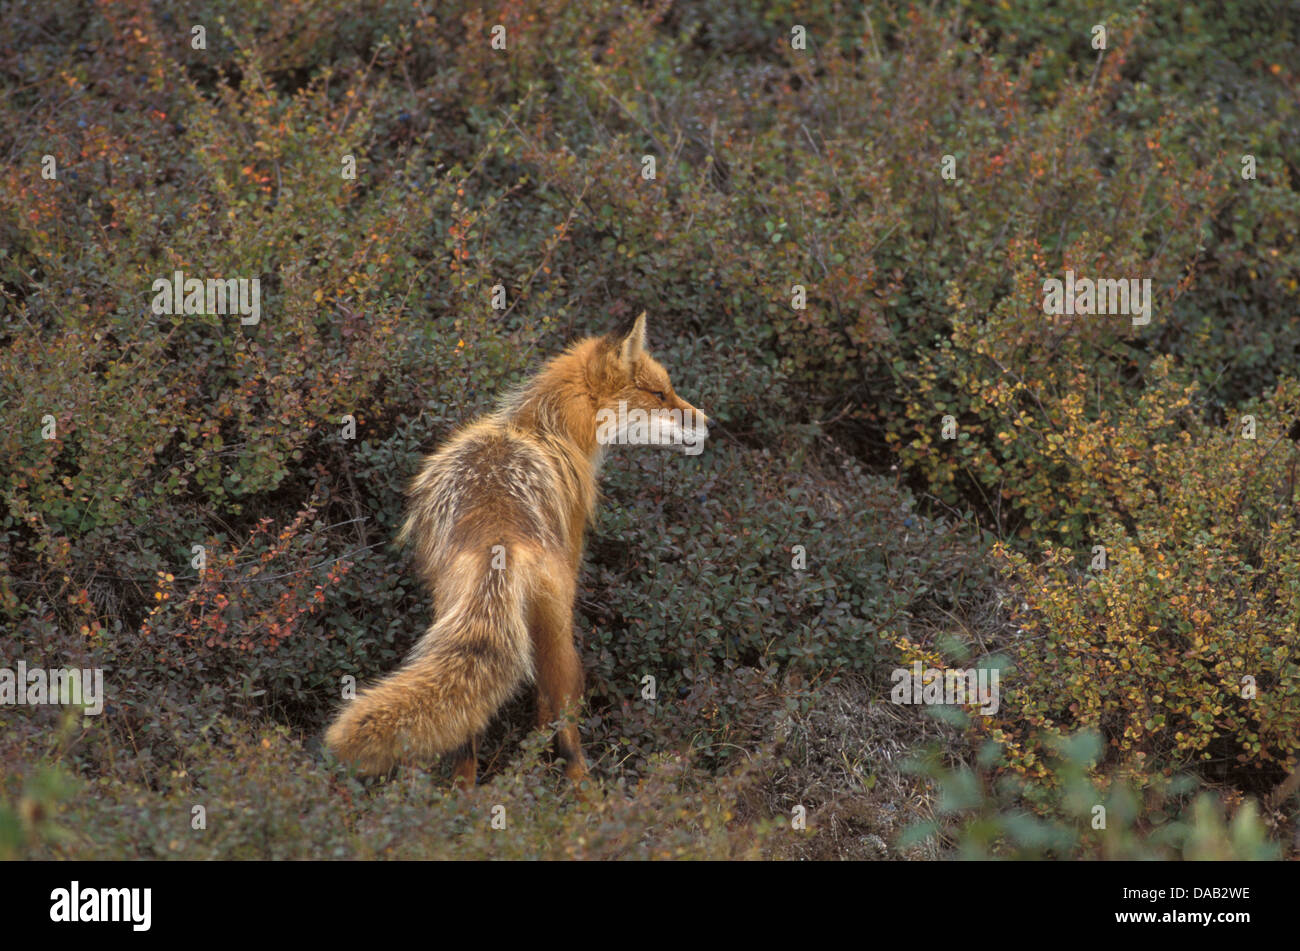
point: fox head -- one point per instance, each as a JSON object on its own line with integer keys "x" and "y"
{"x": 635, "y": 399}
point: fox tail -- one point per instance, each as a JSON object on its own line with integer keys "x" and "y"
{"x": 469, "y": 662}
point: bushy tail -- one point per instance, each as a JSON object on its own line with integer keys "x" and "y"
{"x": 469, "y": 662}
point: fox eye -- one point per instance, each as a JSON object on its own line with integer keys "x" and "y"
{"x": 660, "y": 394}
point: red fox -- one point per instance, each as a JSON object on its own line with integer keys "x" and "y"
{"x": 497, "y": 516}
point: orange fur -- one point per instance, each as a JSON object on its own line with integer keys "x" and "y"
{"x": 497, "y": 517}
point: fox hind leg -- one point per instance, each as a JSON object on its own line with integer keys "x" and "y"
{"x": 559, "y": 667}
{"x": 465, "y": 770}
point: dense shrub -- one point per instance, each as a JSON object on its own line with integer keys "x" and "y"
{"x": 1175, "y": 636}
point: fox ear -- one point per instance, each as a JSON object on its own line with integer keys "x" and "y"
{"x": 633, "y": 343}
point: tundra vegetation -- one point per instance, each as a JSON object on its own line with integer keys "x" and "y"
{"x": 920, "y": 465}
